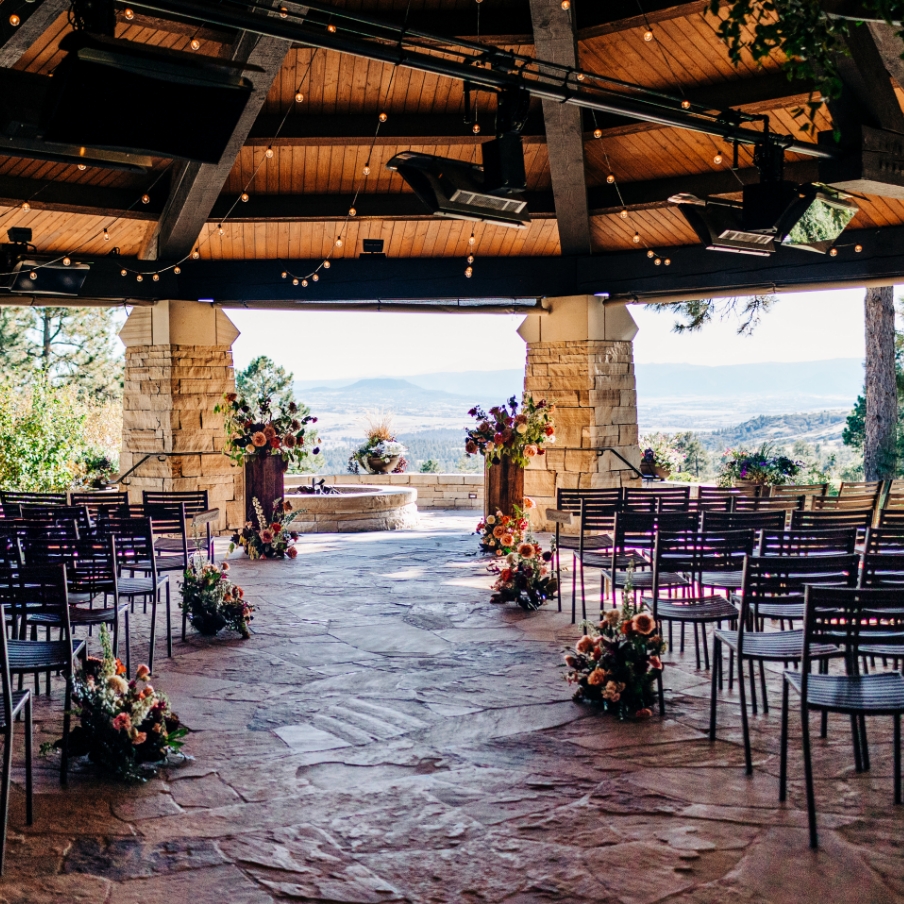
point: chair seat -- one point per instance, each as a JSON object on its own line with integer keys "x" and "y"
{"x": 102, "y": 615}
{"x": 877, "y": 694}
{"x": 730, "y": 580}
{"x": 788, "y": 611}
{"x": 141, "y": 586}
{"x": 694, "y": 609}
{"x": 601, "y": 560}
{"x": 775, "y": 646}
{"x": 37, "y": 655}
{"x": 644, "y": 579}
{"x": 887, "y": 651}
{"x": 595, "y": 541}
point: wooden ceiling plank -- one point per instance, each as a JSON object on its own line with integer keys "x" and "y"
{"x": 35, "y": 19}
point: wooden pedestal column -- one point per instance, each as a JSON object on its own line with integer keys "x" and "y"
{"x": 504, "y": 487}
{"x": 264, "y": 482}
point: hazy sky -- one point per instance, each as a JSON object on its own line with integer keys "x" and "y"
{"x": 802, "y": 327}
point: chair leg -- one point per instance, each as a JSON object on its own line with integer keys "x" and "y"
{"x": 824, "y": 718}
{"x": 4, "y": 788}
{"x": 751, "y": 670}
{"x": 29, "y": 760}
{"x": 705, "y": 647}
{"x": 716, "y": 684}
{"x": 697, "y": 645}
{"x": 67, "y": 719}
{"x": 558, "y": 585}
{"x": 128, "y": 643}
{"x": 169, "y": 623}
{"x": 897, "y": 762}
{"x": 864, "y": 746}
{"x": 748, "y": 756}
{"x": 808, "y": 774}
{"x": 783, "y": 760}
{"x": 763, "y": 686}
{"x": 156, "y": 594}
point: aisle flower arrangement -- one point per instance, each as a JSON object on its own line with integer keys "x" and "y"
{"x": 125, "y": 727}
{"x": 617, "y": 663}
{"x": 516, "y": 431}
{"x": 502, "y": 534}
{"x": 271, "y": 539}
{"x": 525, "y": 577}
{"x": 257, "y": 427}
{"x": 761, "y": 466}
{"x": 212, "y": 601}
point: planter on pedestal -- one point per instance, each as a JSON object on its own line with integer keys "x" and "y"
{"x": 504, "y": 487}
{"x": 263, "y": 481}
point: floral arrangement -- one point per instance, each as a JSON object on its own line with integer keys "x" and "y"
{"x": 617, "y": 663}
{"x": 212, "y": 601}
{"x": 271, "y": 539}
{"x": 124, "y": 726}
{"x": 762, "y": 466}
{"x": 258, "y": 428}
{"x": 658, "y": 451}
{"x": 525, "y": 577}
{"x": 381, "y": 451}
{"x": 507, "y": 431}
{"x": 502, "y": 534}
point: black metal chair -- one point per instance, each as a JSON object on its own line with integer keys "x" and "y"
{"x": 99, "y": 502}
{"x": 719, "y": 522}
{"x": 851, "y": 620}
{"x": 14, "y": 497}
{"x": 691, "y": 555}
{"x": 828, "y": 520}
{"x": 58, "y": 514}
{"x": 656, "y": 499}
{"x": 135, "y": 554}
{"x": 832, "y": 541}
{"x": 196, "y": 504}
{"x": 37, "y": 591}
{"x": 12, "y": 705}
{"x": 768, "y": 503}
{"x": 773, "y": 588}
{"x": 719, "y": 499}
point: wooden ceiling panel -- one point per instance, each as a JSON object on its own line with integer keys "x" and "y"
{"x": 659, "y": 229}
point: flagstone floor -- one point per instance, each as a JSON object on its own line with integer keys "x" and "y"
{"x": 389, "y": 735}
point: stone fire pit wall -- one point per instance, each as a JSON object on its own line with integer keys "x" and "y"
{"x": 434, "y": 491}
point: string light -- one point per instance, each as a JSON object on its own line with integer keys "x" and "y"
{"x": 636, "y": 238}
{"x": 366, "y": 170}
{"x": 833, "y": 252}
{"x": 269, "y": 153}
{"x": 33, "y": 275}
{"x": 82, "y": 167}
{"x": 283, "y": 12}
{"x": 658, "y": 261}
{"x": 623, "y": 213}
{"x": 299, "y": 97}
{"x": 475, "y": 129}
{"x": 383, "y": 117}
{"x": 597, "y": 133}
{"x": 338, "y": 241}
{"x": 315, "y": 277}
{"x": 106, "y": 235}
{"x": 66, "y": 261}
{"x": 717, "y": 159}
{"x": 128, "y": 13}
{"x": 123, "y": 272}
{"x": 284, "y": 274}
{"x": 651, "y": 253}
{"x": 14, "y": 20}
{"x": 326, "y": 265}
{"x": 566, "y": 4}
{"x": 352, "y": 212}
{"x": 196, "y": 254}
{"x": 610, "y": 178}
{"x": 177, "y": 270}
{"x": 26, "y": 205}
{"x": 471, "y": 239}
{"x": 145, "y": 199}
{"x": 294, "y": 282}
{"x": 304, "y": 283}
{"x": 580, "y": 76}
{"x": 139, "y": 278}
{"x": 245, "y": 196}
{"x": 331, "y": 28}
{"x": 648, "y": 35}
{"x": 469, "y": 272}
{"x": 470, "y": 258}
{"x": 858, "y": 248}
{"x": 668, "y": 262}
{"x": 685, "y": 105}
{"x": 156, "y": 277}
{"x": 220, "y": 229}
{"x": 195, "y": 44}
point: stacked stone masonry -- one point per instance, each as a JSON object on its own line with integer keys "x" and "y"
{"x": 434, "y": 491}
{"x": 592, "y": 385}
{"x": 169, "y": 395}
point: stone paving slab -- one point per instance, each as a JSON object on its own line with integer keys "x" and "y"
{"x": 388, "y": 735}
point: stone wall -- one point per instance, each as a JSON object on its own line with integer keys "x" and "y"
{"x": 583, "y": 361}
{"x": 434, "y": 491}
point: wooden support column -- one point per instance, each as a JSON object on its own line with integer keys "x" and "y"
{"x": 178, "y": 365}
{"x": 580, "y": 356}
{"x": 555, "y": 41}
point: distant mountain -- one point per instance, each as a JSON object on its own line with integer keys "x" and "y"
{"x": 476, "y": 384}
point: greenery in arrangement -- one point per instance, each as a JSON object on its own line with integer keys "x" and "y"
{"x": 212, "y": 601}
{"x": 380, "y": 449}
{"x": 125, "y": 727}
{"x": 661, "y": 451}
{"x": 502, "y": 534}
{"x": 524, "y": 576}
{"x": 511, "y": 430}
{"x": 762, "y": 466}
{"x": 615, "y": 664}
{"x": 270, "y": 539}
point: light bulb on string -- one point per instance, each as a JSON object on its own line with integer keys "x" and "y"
{"x": 315, "y": 277}
{"x": 145, "y": 199}
{"x": 177, "y": 270}
{"x": 284, "y": 274}
{"x": 685, "y": 104}
{"x": 668, "y": 262}
{"x": 475, "y": 129}
{"x": 597, "y": 133}
{"x": 352, "y": 212}
{"x": 326, "y": 265}
{"x": 338, "y": 241}
{"x": 299, "y": 97}
{"x": 139, "y": 278}
{"x": 33, "y": 275}
{"x": 471, "y": 240}
{"x": 156, "y": 277}
{"x": 82, "y": 167}
{"x": 128, "y": 13}
{"x": 269, "y": 153}
{"x": 106, "y": 235}
{"x": 469, "y": 272}
{"x": 858, "y": 248}
{"x": 26, "y": 205}
{"x": 294, "y": 282}
{"x": 833, "y": 252}
{"x": 66, "y": 261}
{"x": 651, "y": 253}
{"x": 383, "y": 117}
{"x": 245, "y": 196}
{"x": 566, "y": 5}
{"x": 648, "y": 35}
{"x": 623, "y": 213}
{"x": 195, "y": 254}
{"x": 195, "y": 44}
{"x": 580, "y": 76}
{"x": 331, "y": 28}
{"x": 123, "y": 272}
{"x": 636, "y": 238}
{"x": 283, "y": 12}
{"x": 221, "y": 230}
{"x": 658, "y": 261}
{"x": 14, "y": 20}
{"x": 717, "y": 159}
{"x": 470, "y": 258}
{"x": 610, "y": 178}
{"x": 366, "y": 170}
{"x": 304, "y": 283}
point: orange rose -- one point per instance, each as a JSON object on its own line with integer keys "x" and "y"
{"x": 507, "y": 540}
{"x": 643, "y": 623}
{"x": 596, "y": 677}
{"x": 498, "y": 532}
{"x": 269, "y": 431}
{"x": 258, "y": 439}
{"x": 584, "y": 644}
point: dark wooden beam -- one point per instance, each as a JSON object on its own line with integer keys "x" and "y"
{"x": 177, "y": 26}
{"x": 196, "y": 186}
{"x": 35, "y": 18}
{"x": 554, "y": 39}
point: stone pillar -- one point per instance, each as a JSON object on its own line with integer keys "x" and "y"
{"x": 580, "y": 356}
{"x": 178, "y": 365}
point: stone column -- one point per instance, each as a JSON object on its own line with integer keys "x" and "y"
{"x": 580, "y": 356}
{"x": 178, "y": 365}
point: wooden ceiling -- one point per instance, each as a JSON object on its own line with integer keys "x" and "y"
{"x": 316, "y": 169}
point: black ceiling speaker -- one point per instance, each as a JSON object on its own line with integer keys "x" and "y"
{"x": 122, "y": 96}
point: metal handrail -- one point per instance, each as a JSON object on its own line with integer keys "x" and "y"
{"x": 160, "y": 456}
{"x": 600, "y": 451}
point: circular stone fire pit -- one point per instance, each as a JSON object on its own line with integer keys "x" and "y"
{"x": 354, "y": 508}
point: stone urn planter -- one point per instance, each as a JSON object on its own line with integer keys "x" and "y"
{"x": 375, "y": 465}
{"x": 504, "y": 487}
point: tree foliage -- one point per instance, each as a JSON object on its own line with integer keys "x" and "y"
{"x": 692, "y": 316}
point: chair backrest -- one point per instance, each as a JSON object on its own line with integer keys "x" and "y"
{"x": 569, "y": 499}
{"x": 90, "y": 564}
{"x": 665, "y": 499}
{"x": 41, "y": 590}
{"x": 834, "y": 541}
{"x": 14, "y": 497}
{"x": 58, "y": 513}
{"x": 195, "y": 501}
{"x": 6, "y": 686}
{"x": 10, "y": 510}
{"x": 50, "y": 530}
{"x": 883, "y": 570}
{"x": 860, "y": 488}
{"x": 894, "y": 500}
{"x": 597, "y": 516}
{"x": 637, "y": 530}
{"x": 892, "y": 518}
{"x": 718, "y": 499}
{"x": 780, "y": 580}
{"x": 799, "y": 489}
{"x": 722, "y": 521}
{"x": 840, "y": 503}
{"x": 97, "y": 502}
{"x": 861, "y": 518}
{"x": 852, "y": 619}
{"x": 885, "y": 540}
{"x": 169, "y": 520}
{"x": 767, "y": 503}
{"x": 134, "y": 542}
